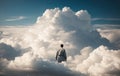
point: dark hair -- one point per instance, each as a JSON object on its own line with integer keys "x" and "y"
{"x": 61, "y": 45}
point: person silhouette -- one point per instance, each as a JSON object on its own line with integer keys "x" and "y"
{"x": 61, "y": 54}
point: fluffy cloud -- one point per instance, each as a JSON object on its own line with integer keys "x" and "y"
{"x": 66, "y": 18}
{"x": 102, "y": 62}
{"x": 38, "y": 45}
{"x": 113, "y": 35}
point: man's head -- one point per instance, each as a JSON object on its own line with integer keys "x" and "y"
{"x": 61, "y": 45}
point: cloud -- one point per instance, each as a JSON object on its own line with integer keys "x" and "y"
{"x": 113, "y": 35}
{"x": 101, "y": 61}
{"x": 66, "y": 18}
{"x": 106, "y": 19}
{"x": 8, "y": 52}
{"x": 87, "y": 50}
{"x": 16, "y": 18}
{"x": 106, "y": 26}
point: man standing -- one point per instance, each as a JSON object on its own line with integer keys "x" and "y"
{"x": 61, "y": 54}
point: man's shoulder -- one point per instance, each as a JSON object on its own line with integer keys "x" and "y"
{"x": 62, "y": 49}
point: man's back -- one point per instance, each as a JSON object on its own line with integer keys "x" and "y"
{"x": 61, "y": 54}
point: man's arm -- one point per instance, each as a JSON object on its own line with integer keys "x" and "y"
{"x": 56, "y": 55}
{"x": 65, "y": 55}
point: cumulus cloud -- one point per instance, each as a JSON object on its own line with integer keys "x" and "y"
{"x": 113, "y": 35}
{"x": 16, "y": 18}
{"x": 102, "y": 62}
{"x": 87, "y": 50}
{"x": 66, "y": 18}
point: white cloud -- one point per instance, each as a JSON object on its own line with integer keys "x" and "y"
{"x": 108, "y": 19}
{"x": 101, "y": 62}
{"x": 16, "y": 18}
{"x": 113, "y": 35}
{"x": 106, "y": 26}
{"x": 41, "y": 41}
{"x": 66, "y": 18}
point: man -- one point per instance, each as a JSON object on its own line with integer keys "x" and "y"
{"x": 61, "y": 54}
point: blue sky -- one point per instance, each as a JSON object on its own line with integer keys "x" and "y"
{"x": 25, "y": 12}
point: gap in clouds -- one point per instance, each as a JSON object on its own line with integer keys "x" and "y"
{"x": 89, "y": 52}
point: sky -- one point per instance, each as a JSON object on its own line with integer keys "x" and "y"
{"x": 31, "y": 32}
{"x": 25, "y": 12}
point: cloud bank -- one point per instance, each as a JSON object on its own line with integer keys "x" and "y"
{"x": 32, "y": 49}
